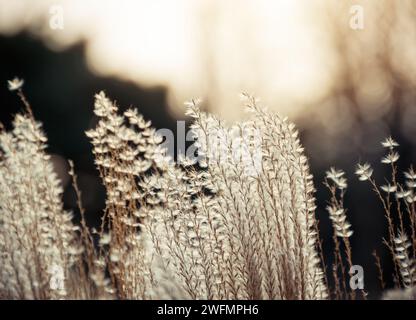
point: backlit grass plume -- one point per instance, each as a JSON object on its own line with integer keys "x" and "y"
{"x": 38, "y": 243}
{"x": 42, "y": 255}
{"x": 239, "y": 224}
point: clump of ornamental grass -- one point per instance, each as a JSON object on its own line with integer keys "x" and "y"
{"x": 238, "y": 224}
{"x": 233, "y": 219}
{"x": 398, "y": 201}
{"x": 41, "y": 252}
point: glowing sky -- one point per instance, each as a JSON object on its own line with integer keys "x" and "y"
{"x": 207, "y": 48}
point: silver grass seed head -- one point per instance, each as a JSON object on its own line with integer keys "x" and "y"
{"x": 389, "y": 143}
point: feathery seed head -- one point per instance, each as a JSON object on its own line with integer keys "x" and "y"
{"x": 337, "y": 177}
{"x": 392, "y": 157}
{"x": 389, "y": 143}
{"x": 364, "y": 171}
{"x": 389, "y": 188}
{"x": 15, "y": 84}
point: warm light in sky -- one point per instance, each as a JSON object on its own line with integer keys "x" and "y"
{"x": 208, "y": 48}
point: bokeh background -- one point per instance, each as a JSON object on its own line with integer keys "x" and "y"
{"x": 346, "y": 89}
